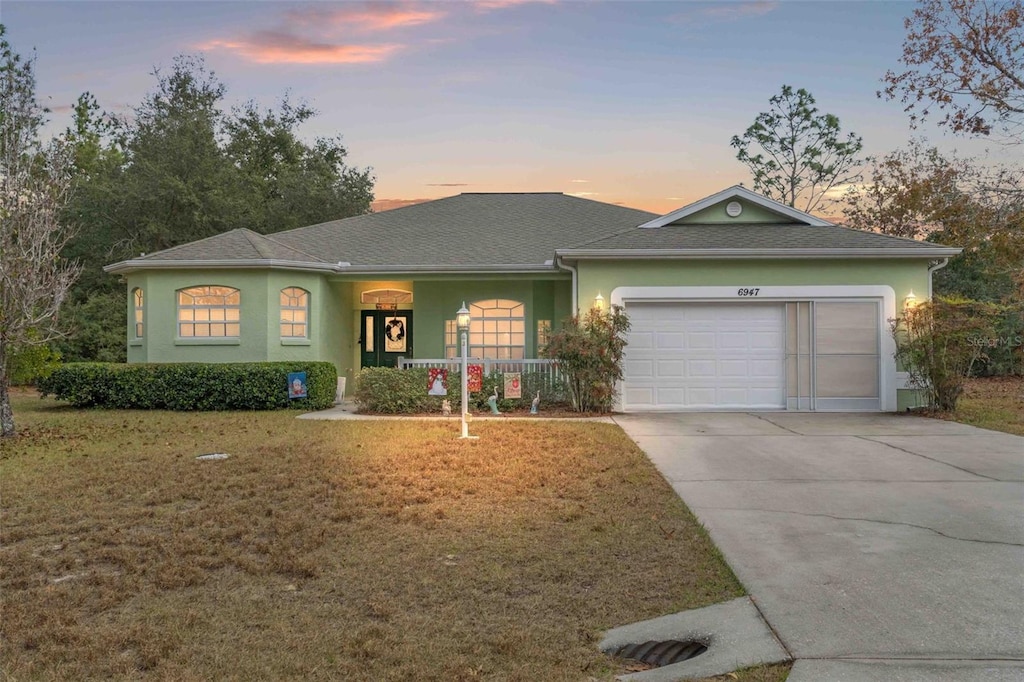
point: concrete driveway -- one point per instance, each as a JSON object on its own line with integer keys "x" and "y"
{"x": 877, "y": 546}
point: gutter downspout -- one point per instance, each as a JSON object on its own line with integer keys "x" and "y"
{"x": 938, "y": 265}
{"x": 561, "y": 265}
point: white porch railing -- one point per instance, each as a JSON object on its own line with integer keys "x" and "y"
{"x": 548, "y": 369}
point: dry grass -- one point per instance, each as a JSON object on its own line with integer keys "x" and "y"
{"x": 995, "y": 403}
{"x": 761, "y": 673}
{"x": 332, "y": 550}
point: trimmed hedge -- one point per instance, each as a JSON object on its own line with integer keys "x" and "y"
{"x": 388, "y": 390}
{"x": 191, "y": 386}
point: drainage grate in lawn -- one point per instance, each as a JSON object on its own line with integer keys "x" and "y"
{"x": 663, "y": 653}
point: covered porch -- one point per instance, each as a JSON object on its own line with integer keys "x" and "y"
{"x": 411, "y": 322}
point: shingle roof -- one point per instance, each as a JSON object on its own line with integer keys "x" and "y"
{"x": 464, "y": 230}
{"x": 240, "y": 244}
{"x": 750, "y": 236}
{"x": 468, "y": 229}
{"x": 521, "y": 231}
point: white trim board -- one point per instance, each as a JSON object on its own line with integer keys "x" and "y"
{"x": 703, "y": 294}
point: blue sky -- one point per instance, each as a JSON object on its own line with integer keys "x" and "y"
{"x": 625, "y": 102}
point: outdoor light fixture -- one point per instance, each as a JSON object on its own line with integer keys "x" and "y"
{"x": 599, "y": 302}
{"x": 462, "y": 322}
{"x": 910, "y": 301}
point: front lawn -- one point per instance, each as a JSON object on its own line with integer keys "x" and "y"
{"x": 333, "y": 550}
{"x": 995, "y": 403}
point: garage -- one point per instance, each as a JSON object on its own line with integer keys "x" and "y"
{"x": 818, "y": 354}
{"x": 738, "y": 302}
{"x": 705, "y": 356}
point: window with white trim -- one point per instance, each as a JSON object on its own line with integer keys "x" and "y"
{"x": 543, "y": 333}
{"x": 497, "y": 330}
{"x": 451, "y": 339}
{"x": 139, "y": 318}
{"x": 209, "y": 312}
{"x": 294, "y": 313}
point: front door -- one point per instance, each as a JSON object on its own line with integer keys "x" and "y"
{"x": 385, "y": 336}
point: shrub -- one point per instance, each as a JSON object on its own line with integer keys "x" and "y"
{"x": 191, "y": 386}
{"x": 1004, "y": 352}
{"x": 589, "y": 352}
{"x": 388, "y": 390}
{"x": 940, "y": 341}
{"x": 33, "y": 363}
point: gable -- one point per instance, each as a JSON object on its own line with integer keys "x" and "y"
{"x": 750, "y": 207}
{"x": 717, "y": 215}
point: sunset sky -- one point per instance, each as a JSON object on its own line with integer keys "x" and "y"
{"x": 624, "y": 102}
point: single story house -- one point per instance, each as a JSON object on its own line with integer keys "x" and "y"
{"x": 736, "y": 301}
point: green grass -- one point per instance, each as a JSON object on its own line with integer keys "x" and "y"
{"x": 333, "y": 550}
{"x": 995, "y": 403}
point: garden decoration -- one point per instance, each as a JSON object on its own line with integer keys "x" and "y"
{"x": 493, "y": 402}
{"x": 446, "y": 408}
{"x": 535, "y": 403}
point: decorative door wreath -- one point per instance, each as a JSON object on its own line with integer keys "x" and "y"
{"x": 394, "y": 330}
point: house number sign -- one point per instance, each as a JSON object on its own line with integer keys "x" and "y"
{"x": 748, "y": 291}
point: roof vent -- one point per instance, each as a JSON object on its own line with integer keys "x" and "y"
{"x": 733, "y": 209}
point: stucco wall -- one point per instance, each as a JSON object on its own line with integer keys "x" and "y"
{"x": 437, "y": 301}
{"x": 334, "y": 306}
{"x": 259, "y": 338}
{"x": 604, "y": 276}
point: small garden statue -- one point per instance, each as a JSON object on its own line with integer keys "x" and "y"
{"x": 535, "y": 403}
{"x": 446, "y": 408}
{"x": 493, "y": 402}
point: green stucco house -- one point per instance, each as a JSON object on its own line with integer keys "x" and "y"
{"x": 737, "y": 302}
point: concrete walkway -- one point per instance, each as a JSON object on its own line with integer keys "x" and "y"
{"x": 877, "y": 547}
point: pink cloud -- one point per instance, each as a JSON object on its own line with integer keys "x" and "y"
{"x": 369, "y": 17}
{"x": 281, "y": 47}
{"x": 503, "y": 4}
{"x": 322, "y": 34}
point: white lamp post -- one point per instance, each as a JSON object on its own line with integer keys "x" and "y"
{"x": 462, "y": 322}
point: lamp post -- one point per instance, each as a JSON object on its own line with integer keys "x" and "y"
{"x": 462, "y": 322}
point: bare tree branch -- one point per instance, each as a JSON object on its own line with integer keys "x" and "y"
{"x": 35, "y": 181}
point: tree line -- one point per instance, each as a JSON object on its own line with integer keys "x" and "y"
{"x": 180, "y": 166}
{"x": 963, "y": 63}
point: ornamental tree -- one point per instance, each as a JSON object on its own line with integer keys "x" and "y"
{"x": 939, "y": 342}
{"x": 589, "y": 350}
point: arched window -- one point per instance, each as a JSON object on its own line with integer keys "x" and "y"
{"x": 497, "y": 329}
{"x": 140, "y": 314}
{"x": 394, "y": 297}
{"x": 294, "y": 313}
{"x": 209, "y": 311}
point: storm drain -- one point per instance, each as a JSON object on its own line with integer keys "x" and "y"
{"x": 662, "y": 653}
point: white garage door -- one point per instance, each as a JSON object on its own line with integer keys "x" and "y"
{"x": 705, "y": 356}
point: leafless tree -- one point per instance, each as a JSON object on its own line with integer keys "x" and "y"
{"x": 35, "y": 179}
